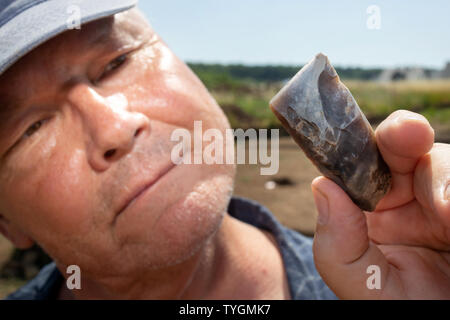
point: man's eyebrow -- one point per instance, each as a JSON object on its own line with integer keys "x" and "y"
{"x": 110, "y": 38}
{"x": 7, "y": 108}
{"x": 104, "y": 31}
{"x": 7, "y": 111}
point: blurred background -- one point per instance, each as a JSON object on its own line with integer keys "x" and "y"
{"x": 391, "y": 55}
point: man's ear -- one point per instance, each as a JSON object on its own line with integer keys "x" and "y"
{"x": 19, "y": 239}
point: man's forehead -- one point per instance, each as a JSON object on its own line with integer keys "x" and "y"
{"x": 122, "y": 26}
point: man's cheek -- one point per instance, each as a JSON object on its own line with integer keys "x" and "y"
{"x": 62, "y": 194}
{"x": 28, "y": 159}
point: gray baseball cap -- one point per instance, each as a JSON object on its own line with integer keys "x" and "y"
{"x": 25, "y": 24}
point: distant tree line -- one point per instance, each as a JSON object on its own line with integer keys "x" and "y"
{"x": 269, "y": 73}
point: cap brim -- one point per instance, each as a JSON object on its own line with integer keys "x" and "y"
{"x": 47, "y": 19}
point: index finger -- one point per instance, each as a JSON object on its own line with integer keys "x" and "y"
{"x": 403, "y": 138}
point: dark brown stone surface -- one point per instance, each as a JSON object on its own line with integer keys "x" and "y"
{"x": 322, "y": 116}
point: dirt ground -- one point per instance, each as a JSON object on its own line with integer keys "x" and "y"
{"x": 6, "y": 285}
{"x": 288, "y": 193}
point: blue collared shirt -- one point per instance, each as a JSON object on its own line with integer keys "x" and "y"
{"x": 296, "y": 250}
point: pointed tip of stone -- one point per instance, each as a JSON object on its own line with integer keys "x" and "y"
{"x": 309, "y": 73}
{"x": 315, "y": 66}
{"x": 320, "y": 55}
{"x": 325, "y": 64}
{"x": 322, "y": 58}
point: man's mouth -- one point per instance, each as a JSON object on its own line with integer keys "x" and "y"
{"x": 142, "y": 187}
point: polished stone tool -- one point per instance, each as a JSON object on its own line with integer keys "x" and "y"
{"x": 322, "y": 116}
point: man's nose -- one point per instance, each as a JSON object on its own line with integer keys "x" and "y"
{"x": 110, "y": 126}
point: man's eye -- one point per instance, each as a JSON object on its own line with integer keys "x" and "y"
{"x": 114, "y": 64}
{"x": 33, "y": 128}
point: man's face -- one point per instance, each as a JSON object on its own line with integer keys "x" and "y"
{"x": 88, "y": 124}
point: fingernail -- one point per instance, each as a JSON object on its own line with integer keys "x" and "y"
{"x": 409, "y": 116}
{"x": 322, "y": 207}
{"x": 447, "y": 192}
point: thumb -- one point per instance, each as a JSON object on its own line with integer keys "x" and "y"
{"x": 351, "y": 265}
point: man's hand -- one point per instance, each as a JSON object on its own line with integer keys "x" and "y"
{"x": 407, "y": 236}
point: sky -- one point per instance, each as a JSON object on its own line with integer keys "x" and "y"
{"x": 291, "y": 32}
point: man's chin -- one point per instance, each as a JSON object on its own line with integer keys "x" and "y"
{"x": 179, "y": 216}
